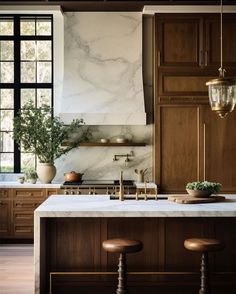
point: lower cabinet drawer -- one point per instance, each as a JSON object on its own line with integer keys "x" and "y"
{"x": 19, "y": 216}
{"x": 24, "y": 229}
{"x": 24, "y": 204}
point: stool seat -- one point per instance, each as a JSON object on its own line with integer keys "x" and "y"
{"x": 203, "y": 244}
{"x": 122, "y": 245}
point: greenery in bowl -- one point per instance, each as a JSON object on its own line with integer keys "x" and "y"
{"x": 204, "y": 186}
{"x": 38, "y": 132}
{"x": 30, "y": 173}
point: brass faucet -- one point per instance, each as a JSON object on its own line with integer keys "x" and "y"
{"x": 121, "y": 192}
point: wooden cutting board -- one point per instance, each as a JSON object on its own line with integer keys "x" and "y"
{"x": 193, "y": 200}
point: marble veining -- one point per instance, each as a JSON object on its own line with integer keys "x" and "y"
{"x": 102, "y": 206}
{"x": 97, "y": 162}
{"x": 103, "y": 68}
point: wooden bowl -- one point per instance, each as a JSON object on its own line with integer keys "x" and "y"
{"x": 199, "y": 193}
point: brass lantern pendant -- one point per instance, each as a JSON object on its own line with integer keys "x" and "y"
{"x": 222, "y": 94}
{"x": 222, "y": 91}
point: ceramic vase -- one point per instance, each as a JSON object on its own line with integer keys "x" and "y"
{"x": 46, "y": 172}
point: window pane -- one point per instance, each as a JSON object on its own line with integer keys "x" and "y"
{"x": 44, "y": 96}
{"x": 27, "y": 95}
{"x": 44, "y": 50}
{"x": 28, "y": 72}
{"x": 44, "y": 72}
{"x": 27, "y": 160}
{"x": 6, "y": 98}
{"x": 43, "y": 27}
{"x": 28, "y": 50}
{"x": 6, "y": 162}
{"x": 6, "y": 50}
{"x": 6, "y": 142}
{"x": 6, "y": 27}
{"x": 6, "y": 72}
{"x": 27, "y": 27}
{"x": 6, "y": 122}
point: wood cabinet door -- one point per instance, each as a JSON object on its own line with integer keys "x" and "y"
{"x": 219, "y": 146}
{"x": 212, "y": 49}
{"x": 176, "y": 147}
{"x": 178, "y": 40}
{"x": 5, "y": 218}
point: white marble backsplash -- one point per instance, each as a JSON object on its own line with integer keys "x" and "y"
{"x": 103, "y": 68}
{"x": 97, "y": 162}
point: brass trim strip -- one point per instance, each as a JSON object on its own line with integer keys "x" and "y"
{"x": 204, "y": 151}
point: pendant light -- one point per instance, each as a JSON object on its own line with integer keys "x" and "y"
{"x": 222, "y": 91}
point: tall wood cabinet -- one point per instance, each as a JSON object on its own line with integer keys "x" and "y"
{"x": 191, "y": 142}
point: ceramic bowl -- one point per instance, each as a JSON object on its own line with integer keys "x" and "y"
{"x": 103, "y": 140}
{"x": 121, "y": 140}
{"x": 199, "y": 193}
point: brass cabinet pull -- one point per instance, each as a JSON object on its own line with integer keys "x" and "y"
{"x": 204, "y": 151}
{"x": 159, "y": 58}
{"x": 206, "y": 58}
{"x": 200, "y": 58}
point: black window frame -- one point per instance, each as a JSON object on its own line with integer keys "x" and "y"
{"x": 17, "y": 85}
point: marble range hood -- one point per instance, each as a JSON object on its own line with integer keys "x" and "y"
{"x": 103, "y": 81}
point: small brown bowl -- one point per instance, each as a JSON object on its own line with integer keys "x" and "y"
{"x": 199, "y": 193}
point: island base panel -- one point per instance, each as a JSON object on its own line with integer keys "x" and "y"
{"x": 74, "y": 256}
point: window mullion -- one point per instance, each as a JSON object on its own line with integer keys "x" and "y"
{"x": 17, "y": 155}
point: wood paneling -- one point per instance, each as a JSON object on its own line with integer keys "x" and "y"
{"x": 220, "y": 155}
{"x": 178, "y": 40}
{"x": 17, "y": 211}
{"x": 179, "y": 147}
{"x": 212, "y": 28}
{"x": 163, "y": 264}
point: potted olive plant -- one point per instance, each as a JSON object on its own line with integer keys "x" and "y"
{"x": 38, "y": 132}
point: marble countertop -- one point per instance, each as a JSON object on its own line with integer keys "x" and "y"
{"x": 102, "y": 206}
{"x": 28, "y": 185}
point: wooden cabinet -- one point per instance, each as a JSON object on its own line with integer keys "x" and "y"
{"x": 219, "y": 149}
{"x": 193, "y": 40}
{"x": 17, "y": 210}
{"x": 191, "y": 142}
{"x": 5, "y": 213}
{"x": 212, "y": 40}
{"x": 25, "y": 201}
{"x": 178, "y": 40}
{"x": 177, "y": 147}
{"x": 194, "y": 144}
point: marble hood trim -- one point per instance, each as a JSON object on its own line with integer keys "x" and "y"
{"x": 103, "y": 81}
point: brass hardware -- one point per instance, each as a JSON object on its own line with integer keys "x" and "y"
{"x": 128, "y": 155}
{"x": 206, "y": 58}
{"x": 121, "y": 192}
{"x": 159, "y": 58}
{"x": 145, "y": 191}
{"x": 204, "y": 151}
{"x": 201, "y": 58}
{"x": 222, "y": 91}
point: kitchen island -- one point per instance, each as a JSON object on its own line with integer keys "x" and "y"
{"x": 69, "y": 231}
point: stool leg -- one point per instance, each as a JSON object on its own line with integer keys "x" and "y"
{"x": 122, "y": 279}
{"x": 204, "y": 274}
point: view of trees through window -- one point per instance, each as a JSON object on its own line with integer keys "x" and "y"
{"x": 26, "y": 74}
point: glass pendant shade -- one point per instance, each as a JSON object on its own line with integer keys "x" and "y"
{"x": 222, "y": 95}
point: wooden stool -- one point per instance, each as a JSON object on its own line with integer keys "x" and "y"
{"x": 204, "y": 246}
{"x": 122, "y": 246}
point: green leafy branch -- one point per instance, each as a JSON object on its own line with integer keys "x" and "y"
{"x": 37, "y": 131}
